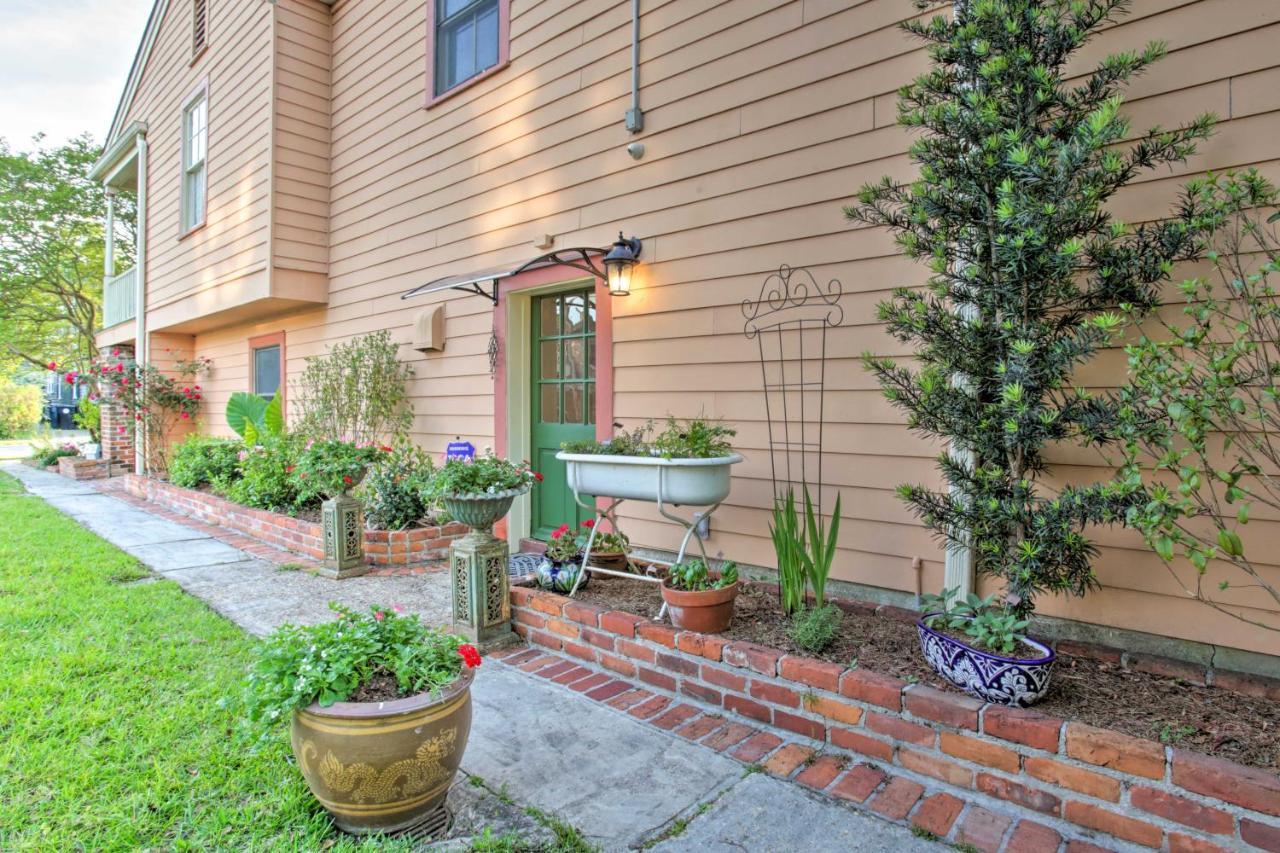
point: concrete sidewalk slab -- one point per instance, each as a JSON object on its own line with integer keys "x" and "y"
{"x": 763, "y": 813}
{"x": 187, "y": 554}
{"x": 618, "y": 781}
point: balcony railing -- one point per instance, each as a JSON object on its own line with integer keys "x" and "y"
{"x": 119, "y": 299}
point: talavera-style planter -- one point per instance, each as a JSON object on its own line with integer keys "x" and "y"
{"x": 478, "y": 568}
{"x": 384, "y": 766}
{"x": 342, "y": 522}
{"x": 1017, "y": 682}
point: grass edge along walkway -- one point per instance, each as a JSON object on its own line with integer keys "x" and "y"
{"x": 111, "y": 732}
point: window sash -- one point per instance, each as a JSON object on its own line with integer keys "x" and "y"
{"x": 195, "y": 145}
{"x": 483, "y": 54}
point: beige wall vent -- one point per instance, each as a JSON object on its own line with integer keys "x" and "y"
{"x": 428, "y": 330}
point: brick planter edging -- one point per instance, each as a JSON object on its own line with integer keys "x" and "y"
{"x": 381, "y": 547}
{"x": 1132, "y": 789}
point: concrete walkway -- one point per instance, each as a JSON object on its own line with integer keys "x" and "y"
{"x": 622, "y": 783}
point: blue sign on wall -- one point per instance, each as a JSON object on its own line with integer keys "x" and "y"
{"x": 460, "y": 450}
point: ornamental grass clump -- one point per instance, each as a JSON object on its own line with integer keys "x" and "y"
{"x": 1018, "y": 155}
{"x": 327, "y": 663}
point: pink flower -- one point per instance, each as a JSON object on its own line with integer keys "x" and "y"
{"x": 399, "y": 608}
{"x": 53, "y": 365}
{"x": 185, "y": 416}
{"x": 379, "y": 615}
{"x": 115, "y": 352}
{"x": 121, "y": 430}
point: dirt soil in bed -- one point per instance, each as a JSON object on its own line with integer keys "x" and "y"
{"x": 1211, "y": 720}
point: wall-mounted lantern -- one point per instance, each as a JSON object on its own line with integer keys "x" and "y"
{"x": 619, "y": 264}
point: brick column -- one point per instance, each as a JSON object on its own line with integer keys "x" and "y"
{"x": 117, "y": 438}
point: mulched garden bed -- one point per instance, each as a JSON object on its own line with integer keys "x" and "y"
{"x": 1210, "y": 720}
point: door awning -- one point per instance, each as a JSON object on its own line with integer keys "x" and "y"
{"x": 474, "y": 282}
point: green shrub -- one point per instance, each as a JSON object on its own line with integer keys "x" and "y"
{"x": 19, "y": 408}
{"x": 813, "y": 629}
{"x": 357, "y": 392}
{"x": 88, "y": 416}
{"x": 47, "y": 454}
{"x": 266, "y": 479}
{"x": 397, "y": 492}
{"x": 205, "y": 460}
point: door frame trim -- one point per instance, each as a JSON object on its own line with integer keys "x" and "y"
{"x": 513, "y": 404}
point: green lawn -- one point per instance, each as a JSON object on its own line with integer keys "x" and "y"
{"x": 111, "y": 737}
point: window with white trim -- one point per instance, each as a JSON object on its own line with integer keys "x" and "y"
{"x": 466, "y": 40}
{"x": 195, "y": 144}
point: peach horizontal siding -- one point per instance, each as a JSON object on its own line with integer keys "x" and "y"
{"x": 762, "y": 117}
{"x": 237, "y": 69}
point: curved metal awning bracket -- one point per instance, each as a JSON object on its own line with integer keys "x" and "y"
{"x": 579, "y": 258}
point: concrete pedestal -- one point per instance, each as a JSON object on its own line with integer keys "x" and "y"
{"x": 481, "y": 596}
{"x": 343, "y": 522}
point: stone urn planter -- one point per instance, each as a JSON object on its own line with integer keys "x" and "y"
{"x": 1013, "y": 681}
{"x": 478, "y": 567}
{"x": 707, "y": 611}
{"x": 384, "y": 766}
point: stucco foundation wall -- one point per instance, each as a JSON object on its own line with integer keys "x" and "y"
{"x": 762, "y": 117}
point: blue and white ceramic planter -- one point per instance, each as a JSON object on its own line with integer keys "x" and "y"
{"x": 559, "y": 576}
{"x": 1018, "y": 682}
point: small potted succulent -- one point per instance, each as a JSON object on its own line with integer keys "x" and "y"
{"x": 331, "y": 469}
{"x": 977, "y": 644}
{"x": 561, "y": 563}
{"x": 608, "y": 548}
{"x": 380, "y": 711}
{"x": 698, "y": 599}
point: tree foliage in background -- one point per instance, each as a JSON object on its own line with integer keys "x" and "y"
{"x": 1017, "y": 161}
{"x": 357, "y": 392}
{"x": 19, "y": 408}
{"x": 1203, "y": 403}
{"x": 52, "y": 243}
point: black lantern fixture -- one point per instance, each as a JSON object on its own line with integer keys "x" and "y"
{"x": 620, "y": 262}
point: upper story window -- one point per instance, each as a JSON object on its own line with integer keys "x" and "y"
{"x": 199, "y": 25}
{"x": 195, "y": 143}
{"x": 467, "y": 40}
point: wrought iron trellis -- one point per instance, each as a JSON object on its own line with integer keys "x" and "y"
{"x": 789, "y": 322}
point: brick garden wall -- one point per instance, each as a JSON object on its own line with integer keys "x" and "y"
{"x": 1139, "y": 791}
{"x": 381, "y": 547}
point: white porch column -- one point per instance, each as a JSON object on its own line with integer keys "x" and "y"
{"x": 109, "y": 262}
{"x": 141, "y": 352}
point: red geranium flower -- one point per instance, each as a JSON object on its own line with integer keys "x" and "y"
{"x": 537, "y": 476}
{"x": 347, "y": 479}
{"x": 470, "y": 655}
{"x": 288, "y": 469}
{"x": 185, "y": 415}
{"x": 589, "y": 523}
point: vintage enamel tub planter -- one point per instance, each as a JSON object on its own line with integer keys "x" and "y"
{"x": 1013, "y": 681}
{"x": 384, "y": 766}
{"x": 681, "y": 482}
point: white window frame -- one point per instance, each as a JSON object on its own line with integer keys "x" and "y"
{"x": 195, "y": 160}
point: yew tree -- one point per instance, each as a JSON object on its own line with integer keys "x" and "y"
{"x": 1018, "y": 155}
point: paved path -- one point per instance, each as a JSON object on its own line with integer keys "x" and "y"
{"x": 623, "y": 783}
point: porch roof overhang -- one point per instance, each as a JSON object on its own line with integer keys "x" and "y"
{"x": 578, "y": 258}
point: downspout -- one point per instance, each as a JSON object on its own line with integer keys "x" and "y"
{"x": 635, "y": 116}
{"x": 957, "y": 566}
{"x": 140, "y": 346}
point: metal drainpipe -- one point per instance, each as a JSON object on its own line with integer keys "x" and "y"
{"x": 635, "y": 116}
{"x": 957, "y": 566}
{"x": 140, "y": 347}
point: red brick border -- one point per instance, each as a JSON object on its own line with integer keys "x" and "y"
{"x": 381, "y": 547}
{"x": 1069, "y": 777}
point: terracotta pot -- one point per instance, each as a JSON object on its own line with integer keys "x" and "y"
{"x": 616, "y": 560}
{"x": 707, "y": 612}
{"x": 384, "y": 766}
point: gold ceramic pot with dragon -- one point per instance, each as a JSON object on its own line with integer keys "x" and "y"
{"x": 384, "y": 766}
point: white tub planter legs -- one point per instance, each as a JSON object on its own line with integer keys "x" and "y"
{"x": 666, "y": 482}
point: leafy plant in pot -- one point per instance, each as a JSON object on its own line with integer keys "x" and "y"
{"x": 332, "y": 469}
{"x": 1018, "y": 161}
{"x": 379, "y": 707}
{"x": 698, "y": 599}
{"x": 561, "y": 563}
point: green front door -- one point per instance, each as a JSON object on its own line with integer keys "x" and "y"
{"x": 564, "y": 399}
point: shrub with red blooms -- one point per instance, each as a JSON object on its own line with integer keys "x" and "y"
{"x": 153, "y": 401}
{"x": 332, "y": 468}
